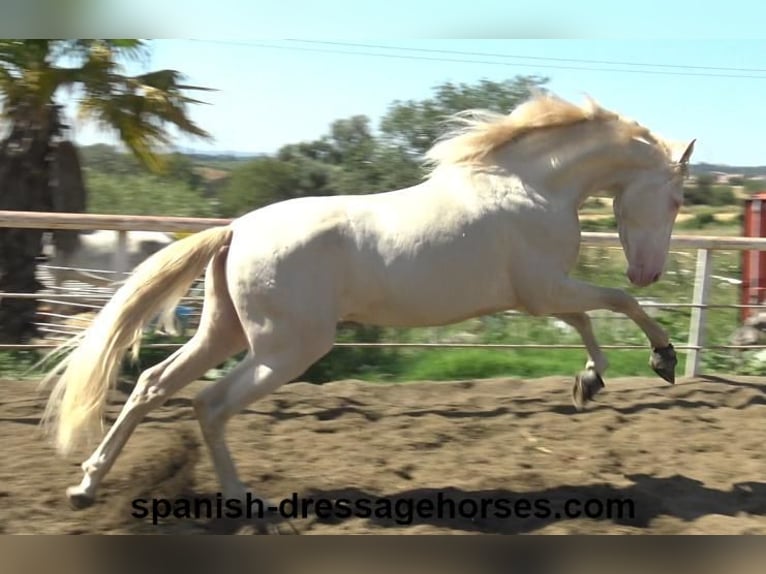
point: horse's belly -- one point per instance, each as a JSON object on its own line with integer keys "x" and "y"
{"x": 430, "y": 302}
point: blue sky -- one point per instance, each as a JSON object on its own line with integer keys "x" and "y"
{"x": 273, "y": 92}
{"x": 397, "y": 19}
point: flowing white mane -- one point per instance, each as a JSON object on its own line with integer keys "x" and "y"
{"x": 477, "y": 133}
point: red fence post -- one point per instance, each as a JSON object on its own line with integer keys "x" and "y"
{"x": 753, "y": 261}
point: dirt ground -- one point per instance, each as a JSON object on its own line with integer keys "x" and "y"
{"x": 689, "y": 457}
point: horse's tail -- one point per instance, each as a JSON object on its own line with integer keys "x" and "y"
{"x": 76, "y": 405}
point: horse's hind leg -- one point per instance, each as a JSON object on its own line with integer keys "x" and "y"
{"x": 589, "y": 382}
{"x": 219, "y": 336}
{"x": 275, "y": 358}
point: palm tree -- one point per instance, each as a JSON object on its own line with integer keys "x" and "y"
{"x": 39, "y": 167}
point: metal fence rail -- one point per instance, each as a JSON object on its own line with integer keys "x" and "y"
{"x": 89, "y": 297}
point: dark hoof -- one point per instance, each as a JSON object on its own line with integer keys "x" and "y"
{"x": 587, "y": 384}
{"x": 663, "y": 362}
{"x": 79, "y": 501}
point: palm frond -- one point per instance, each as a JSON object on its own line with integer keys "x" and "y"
{"x": 143, "y": 109}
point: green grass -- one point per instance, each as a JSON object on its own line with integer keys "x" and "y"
{"x": 16, "y": 364}
{"x": 456, "y": 364}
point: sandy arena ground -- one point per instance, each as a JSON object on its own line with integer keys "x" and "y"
{"x": 690, "y": 457}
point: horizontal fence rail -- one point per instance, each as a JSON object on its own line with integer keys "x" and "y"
{"x": 121, "y": 224}
{"x": 92, "y": 222}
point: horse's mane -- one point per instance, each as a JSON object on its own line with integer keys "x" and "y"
{"x": 476, "y": 133}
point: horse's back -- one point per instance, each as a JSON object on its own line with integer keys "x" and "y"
{"x": 410, "y": 256}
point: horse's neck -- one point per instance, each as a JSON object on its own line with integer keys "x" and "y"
{"x": 569, "y": 164}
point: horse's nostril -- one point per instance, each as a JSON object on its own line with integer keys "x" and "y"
{"x": 656, "y": 277}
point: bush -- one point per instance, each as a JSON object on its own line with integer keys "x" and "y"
{"x": 700, "y": 220}
{"x": 717, "y": 195}
{"x": 15, "y": 364}
{"x": 354, "y": 362}
{"x": 754, "y": 185}
{"x": 593, "y": 203}
{"x": 603, "y": 224}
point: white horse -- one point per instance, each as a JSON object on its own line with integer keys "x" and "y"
{"x": 92, "y": 262}
{"x": 95, "y": 253}
{"x": 493, "y": 227}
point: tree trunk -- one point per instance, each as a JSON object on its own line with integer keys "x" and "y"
{"x": 25, "y": 167}
{"x": 68, "y": 193}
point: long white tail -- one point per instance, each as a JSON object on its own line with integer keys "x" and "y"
{"x": 76, "y": 406}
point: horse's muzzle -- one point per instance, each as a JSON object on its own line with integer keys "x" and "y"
{"x": 642, "y": 278}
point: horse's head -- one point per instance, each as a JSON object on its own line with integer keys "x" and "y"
{"x": 646, "y": 210}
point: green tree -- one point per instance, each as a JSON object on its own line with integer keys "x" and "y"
{"x": 350, "y": 160}
{"x": 705, "y": 182}
{"x": 313, "y": 166}
{"x": 109, "y": 160}
{"x": 258, "y": 182}
{"x": 414, "y": 125}
{"x": 145, "y": 194}
{"x": 37, "y": 171}
{"x": 179, "y": 167}
{"x": 704, "y": 191}
{"x": 355, "y": 154}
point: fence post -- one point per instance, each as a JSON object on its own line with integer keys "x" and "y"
{"x": 120, "y": 256}
{"x": 699, "y": 312}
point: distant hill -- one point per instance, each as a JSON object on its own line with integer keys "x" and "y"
{"x": 746, "y": 171}
{"x": 221, "y": 154}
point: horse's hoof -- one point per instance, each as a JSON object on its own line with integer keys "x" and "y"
{"x": 587, "y": 384}
{"x": 78, "y": 500}
{"x": 663, "y": 362}
{"x": 283, "y": 528}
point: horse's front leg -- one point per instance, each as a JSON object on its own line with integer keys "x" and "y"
{"x": 590, "y": 381}
{"x": 570, "y": 297}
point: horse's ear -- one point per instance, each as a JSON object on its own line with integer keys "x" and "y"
{"x": 682, "y": 164}
{"x": 688, "y": 153}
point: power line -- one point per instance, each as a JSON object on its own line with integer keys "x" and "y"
{"x": 520, "y": 57}
{"x": 491, "y": 63}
